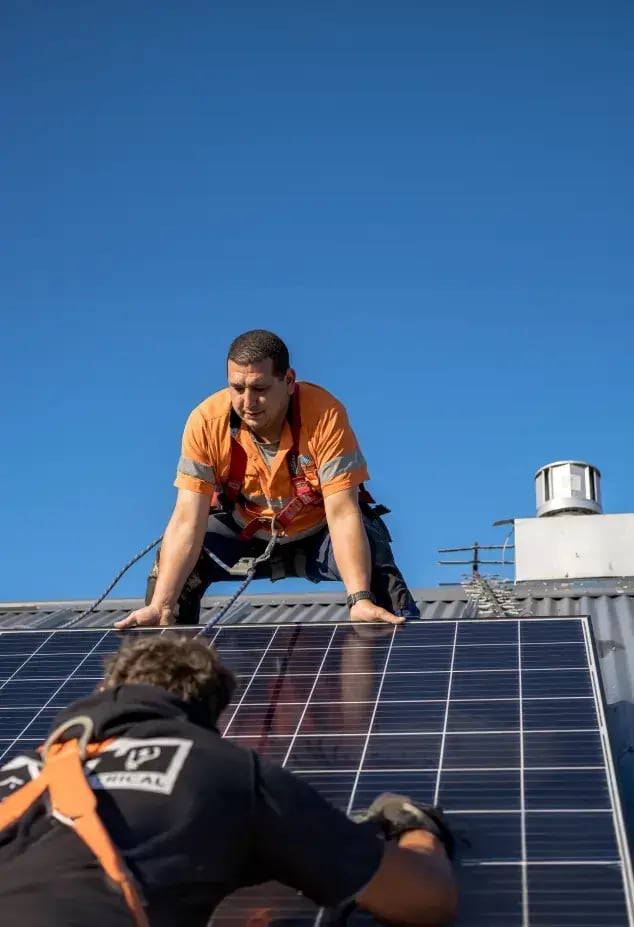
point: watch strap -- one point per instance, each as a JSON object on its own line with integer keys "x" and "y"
{"x": 355, "y": 597}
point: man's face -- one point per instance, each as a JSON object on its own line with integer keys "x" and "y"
{"x": 259, "y": 397}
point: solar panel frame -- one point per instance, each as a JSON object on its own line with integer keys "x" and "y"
{"x": 459, "y": 729}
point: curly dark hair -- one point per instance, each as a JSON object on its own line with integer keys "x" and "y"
{"x": 186, "y": 667}
{"x": 255, "y": 346}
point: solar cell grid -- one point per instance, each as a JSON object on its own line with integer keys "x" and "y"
{"x": 498, "y": 720}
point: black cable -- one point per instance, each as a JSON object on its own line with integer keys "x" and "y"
{"x": 230, "y": 570}
{"x": 114, "y": 582}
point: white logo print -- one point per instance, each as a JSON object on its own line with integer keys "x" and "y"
{"x": 136, "y": 758}
{"x": 11, "y": 783}
{"x": 141, "y": 765}
{"x": 17, "y": 772}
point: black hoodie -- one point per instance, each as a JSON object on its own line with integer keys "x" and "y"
{"x": 194, "y": 815}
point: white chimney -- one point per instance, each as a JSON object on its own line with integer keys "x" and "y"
{"x": 570, "y": 546}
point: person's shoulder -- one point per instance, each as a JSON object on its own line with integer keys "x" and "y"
{"x": 213, "y": 410}
{"x": 314, "y": 399}
{"x": 233, "y": 765}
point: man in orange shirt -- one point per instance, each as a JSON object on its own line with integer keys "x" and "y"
{"x": 269, "y": 449}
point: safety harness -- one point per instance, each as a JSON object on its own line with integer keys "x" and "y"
{"x": 73, "y": 803}
{"x": 304, "y": 495}
{"x": 230, "y": 493}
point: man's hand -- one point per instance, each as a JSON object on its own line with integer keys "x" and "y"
{"x": 365, "y": 610}
{"x": 398, "y": 815}
{"x": 147, "y": 617}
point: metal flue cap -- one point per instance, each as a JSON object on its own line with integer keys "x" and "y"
{"x": 568, "y": 487}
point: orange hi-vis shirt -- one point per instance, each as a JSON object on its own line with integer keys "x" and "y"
{"x": 329, "y": 455}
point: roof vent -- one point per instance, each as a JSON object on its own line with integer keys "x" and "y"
{"x": 568, "y": 487}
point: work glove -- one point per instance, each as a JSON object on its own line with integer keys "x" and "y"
{"x": 392, "y": 816}
{"x": 395, "y": 815}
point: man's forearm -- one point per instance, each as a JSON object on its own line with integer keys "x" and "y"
{"x": 180, "y": 550}
{"x": 351, "y": 550}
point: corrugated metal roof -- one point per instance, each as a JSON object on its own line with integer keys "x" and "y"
{"x": 609, "y": 603}
{"x": 255, "y": 609}
{"x": 605, "y": 599}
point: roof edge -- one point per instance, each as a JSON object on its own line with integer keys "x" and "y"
{"x": 441, "y": 594}
{"x": 563, "y": 588}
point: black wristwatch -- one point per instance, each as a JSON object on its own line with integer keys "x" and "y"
{"x": 357, "y": 596}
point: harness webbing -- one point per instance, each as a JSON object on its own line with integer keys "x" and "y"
{"x": 303, "y": 493}
{"x": 73, "y": 803}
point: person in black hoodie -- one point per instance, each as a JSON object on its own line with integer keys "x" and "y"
{"x": 190, "y": 816}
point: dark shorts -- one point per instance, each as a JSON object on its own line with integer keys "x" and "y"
{"x": 311, "y": 558}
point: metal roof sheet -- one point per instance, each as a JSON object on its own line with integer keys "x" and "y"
{"x": 250, "y": 609}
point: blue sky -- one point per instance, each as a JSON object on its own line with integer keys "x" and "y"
{"x": 431, "y": 202}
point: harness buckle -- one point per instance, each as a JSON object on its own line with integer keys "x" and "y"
{"x": 246, "y": 565}
{"x": 83, "y": 740}
{"x": 243, "y": 567}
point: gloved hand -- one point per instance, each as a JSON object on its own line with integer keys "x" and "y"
{"x": 397, "y": 814}
{"x": 393, "y": 816}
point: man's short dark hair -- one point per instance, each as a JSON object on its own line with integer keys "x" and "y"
{"x": 255, "y": 346}
{"x": 188, "y": 668}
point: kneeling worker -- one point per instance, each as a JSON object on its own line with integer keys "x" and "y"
{"x": 137, "y": 812}
{"x": 271, "y": 450}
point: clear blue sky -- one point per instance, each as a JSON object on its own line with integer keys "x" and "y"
{"x": 430, "y": 201}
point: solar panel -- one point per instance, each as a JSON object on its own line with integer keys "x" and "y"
{"x": 501, "y": 721}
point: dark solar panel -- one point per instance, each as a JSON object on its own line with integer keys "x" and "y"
{"x": 500, "y": 721}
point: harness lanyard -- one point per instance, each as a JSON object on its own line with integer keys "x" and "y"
{"x": 247, "y": 567}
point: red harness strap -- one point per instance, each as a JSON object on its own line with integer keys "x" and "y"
{"x": 304, "y": 494}
{"x": 73, "y": 803}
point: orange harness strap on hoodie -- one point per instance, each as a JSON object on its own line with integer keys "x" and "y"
{"x": 74, "y": 804}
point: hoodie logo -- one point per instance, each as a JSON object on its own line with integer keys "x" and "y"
{"x": 151, "y": 765}
{"x": 136, "y": 758}
{"x": 11, "y": 783}
{"x": 16, "y": 773}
